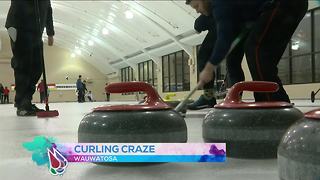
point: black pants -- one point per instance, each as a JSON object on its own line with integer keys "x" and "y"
{"x": 204, "y": 54}
{"x": 80, "y": 95}
{"x": 26, "y": 62}
{"x": 83, "y": 99}
{"x": 1, "y": 98}
{"x": 268, "y": 40}
{"x": 6, "y": 99}
{"x": 234, "y": 70}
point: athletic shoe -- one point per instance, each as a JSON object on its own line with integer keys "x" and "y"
{"x": 36, "y": 109}
{"x": 202, "y": 103}
{"x": 25, "y": 112}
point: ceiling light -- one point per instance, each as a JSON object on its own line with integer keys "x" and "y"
{"x": 113, "y": 9}
{"x": 90, "y": 43}
{"x": 114, "y": 6}
{"x": 78, "y": 51}
{"x": 129, "y": 14}
{"x": 105, "y": 31}
{"x": 110, "y": 18}
{"x": 112, "y": 14}
{"x": 295, "y": 45}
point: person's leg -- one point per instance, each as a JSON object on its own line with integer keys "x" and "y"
{"x": 1, "y": 98}
{"x": 21, "y": 62}
{"x": 42, "y": 97}
{"x": 207, "y": 99}
{"x": 108, "y": 97}
{"x": 268, "y": 40}
{"x": 37, "y": 69}
{"x": 6, "y": 99}
{"x": 234, "y": 69}
{"x": 79, "y": 95}
{"x": 204, "y": 55}
{"x": 83, "y": 96}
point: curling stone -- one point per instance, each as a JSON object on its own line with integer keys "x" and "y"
{"x": 250, "y": 129}
{"x": 151, "y": 122}
{"x": 299, "y": 149}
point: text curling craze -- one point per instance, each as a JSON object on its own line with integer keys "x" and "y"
{"x": 114, "y": 149}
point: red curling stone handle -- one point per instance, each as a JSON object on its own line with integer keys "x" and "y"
{"x": 233, "y": 95}
{"x": 153, "y": 97}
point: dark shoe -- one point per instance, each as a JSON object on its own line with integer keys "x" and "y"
{"x": 24, "y": 112}
{"x": 202, "y": 103}
{"x": 36, "y": 109}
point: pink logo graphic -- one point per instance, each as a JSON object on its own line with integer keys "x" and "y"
{"x": 58, "y": 163}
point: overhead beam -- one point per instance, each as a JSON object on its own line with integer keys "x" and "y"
{"x": 188, "y": 49}
{"x": 119, "y": 54}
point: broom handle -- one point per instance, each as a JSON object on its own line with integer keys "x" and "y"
{"x": 233, "y": 45}
{"x": 37, "y": 12}
{"x": 184, "y": 102}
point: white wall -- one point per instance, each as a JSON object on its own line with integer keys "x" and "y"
{"x": 59, "y": 64}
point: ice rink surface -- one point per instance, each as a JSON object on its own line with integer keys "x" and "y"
{"x": 16, "y": 162}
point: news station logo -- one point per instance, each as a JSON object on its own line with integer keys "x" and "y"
{"x": 58, "y": 163}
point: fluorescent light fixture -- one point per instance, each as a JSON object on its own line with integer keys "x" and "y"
{"x": 90, "y": 43}
{"x": 129, "y": 14}
{"x": 105, "y": 31}
{"x": 295, "y": 45}
{"x": 112, "y": 14}
{"x": 78, "y": 51}
{"x": 114, "y": 6}
{"x": 110, "y": 18}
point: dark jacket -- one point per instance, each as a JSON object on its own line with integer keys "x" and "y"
{"x": 231, "y": 16}
{"x": 1, "y": 90}
{"x": 79, "y": 84}
{"x": 22, "y": 15}
{"x": 203, "y": 23}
